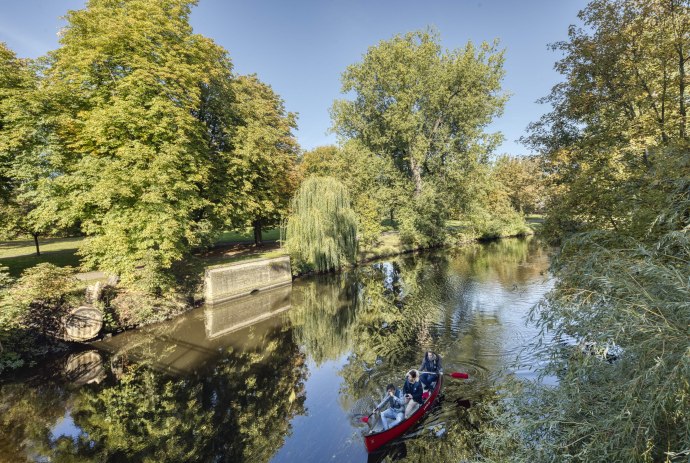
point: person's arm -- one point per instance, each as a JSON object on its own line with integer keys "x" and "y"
{"x": 383, "y": 402}
{"x": 397, "y": 401}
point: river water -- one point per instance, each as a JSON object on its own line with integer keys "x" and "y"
{"x": 286, "y": 375}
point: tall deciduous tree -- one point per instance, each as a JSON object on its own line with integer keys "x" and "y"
{"x": 522, "y": 178}
{"x": 22, "y": 140}
{"x": 137, "y": 134}
{"x": 623, "y": 101}
{"x": 423, "y": 108}
{"x": 263, "y": 170}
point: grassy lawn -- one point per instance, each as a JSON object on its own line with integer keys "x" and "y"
{"x": 21, "y": 254}
{"x": 247, "y": 236}
{"x": 18, "y": 255}
{"x": 219, "y": 259}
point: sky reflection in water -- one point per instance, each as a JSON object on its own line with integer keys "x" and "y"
{"x": 285, "y": 375}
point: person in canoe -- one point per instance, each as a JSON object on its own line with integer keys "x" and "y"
{"x": 413, "y": 393}
{"x": 396, "y": 407}
{"x": 431, "y": 366}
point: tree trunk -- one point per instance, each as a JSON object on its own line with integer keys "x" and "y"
{"x": 681, "y": 90}
{"x": 38, "y": 249}
{"x": 258, "y": 239}
{"x": 416, "y": 176}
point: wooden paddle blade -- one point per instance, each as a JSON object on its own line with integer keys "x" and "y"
{"x": 459, "y": 375}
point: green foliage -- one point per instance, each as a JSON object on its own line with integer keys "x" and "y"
{"x": 138, "y": 135}
{"x": 322, "y": 229}
{"x": 5, "y": 279}
{"x": 422, "y": 220}
{"x": 262, "y": 171}
{"x": 39, "y": 298}
{"x": 372, "y": 181}
{"x": 322, "y": 161}
{"x": 423, "y": 112}
{"x": 22, "y": 138}
{"x": 130, "y": 309}
{"x": 486, "y": 211}
{"x": 523, "y": 180}
{"x": 633, "y": 300}
{"x": 31, "y": 311}
{"x": 618, "y": 118}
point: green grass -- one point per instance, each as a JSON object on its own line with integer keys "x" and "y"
{"x": 18, "y": 255}
{"x": 247, "y": 236}
{"x": 255, "y": 253}
{"x": 17, "y": 264}
{"x": 26, "y": 247}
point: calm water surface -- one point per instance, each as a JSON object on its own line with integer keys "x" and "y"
{"x": 286, "y": 375}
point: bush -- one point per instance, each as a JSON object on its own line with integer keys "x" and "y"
{"x": 129, "y": 309}
{"x": 31, "y": 311}
{"x": 39, "y": 299}
{"x": 423, "y": 220}
{"x": 636, "y": 297}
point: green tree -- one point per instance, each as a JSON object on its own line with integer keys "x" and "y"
{"x": 523, "y": 180}
{"x": 425, "y": 110}
{"x": 16, "y": 80}
{"x": 22, "y": 138}
{"x": 322, "y": 228}
{"x": 322, "y": 161}
{"x": 374, "y": 184}
{"x": 137, "y": 136}
{"x": 622, "y": 104}
{"x": 263, "y": 168}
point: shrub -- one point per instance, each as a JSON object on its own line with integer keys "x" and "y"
{"x": 39, "y": 299}
{"x": 422, "y": 221}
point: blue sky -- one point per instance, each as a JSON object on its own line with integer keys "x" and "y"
{"x": 300, "y": 48}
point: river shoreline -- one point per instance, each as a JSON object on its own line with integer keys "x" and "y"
{"x": 390, "y": 247}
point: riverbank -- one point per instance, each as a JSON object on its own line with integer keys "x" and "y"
{"x": 125, "y": 309}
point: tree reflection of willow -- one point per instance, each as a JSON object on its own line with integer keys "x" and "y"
{"x": 239, "y": 411}
{"x": 322, "y": 314}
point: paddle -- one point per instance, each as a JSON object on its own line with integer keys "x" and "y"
{"x": 454, "y": 374}
{"x": 365, "y": 419}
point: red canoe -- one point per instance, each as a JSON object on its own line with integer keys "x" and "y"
{"x": 375, "y": 440}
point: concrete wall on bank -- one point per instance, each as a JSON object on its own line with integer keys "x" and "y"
{"x": 242, "y": 278}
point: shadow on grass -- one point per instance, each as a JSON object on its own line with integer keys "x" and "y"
{"x": 240, "y": 251}
{"x": 17, "y": 264}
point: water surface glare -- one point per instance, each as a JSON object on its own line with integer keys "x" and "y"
{"x": 286, "y": 375}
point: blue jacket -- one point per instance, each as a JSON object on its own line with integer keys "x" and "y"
{"x": 433, "y": 366}
{"x": 415, "y": 390}
{"x": 395, "y": 403}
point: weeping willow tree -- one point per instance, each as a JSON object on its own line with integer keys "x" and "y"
{"x": 322, "y": 229}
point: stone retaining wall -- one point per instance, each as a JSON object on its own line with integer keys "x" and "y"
{"x": 242, "y": 278}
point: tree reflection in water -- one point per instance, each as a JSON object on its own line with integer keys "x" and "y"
{"x": 222, "y": 395}
{"x": 240, "y": 410}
